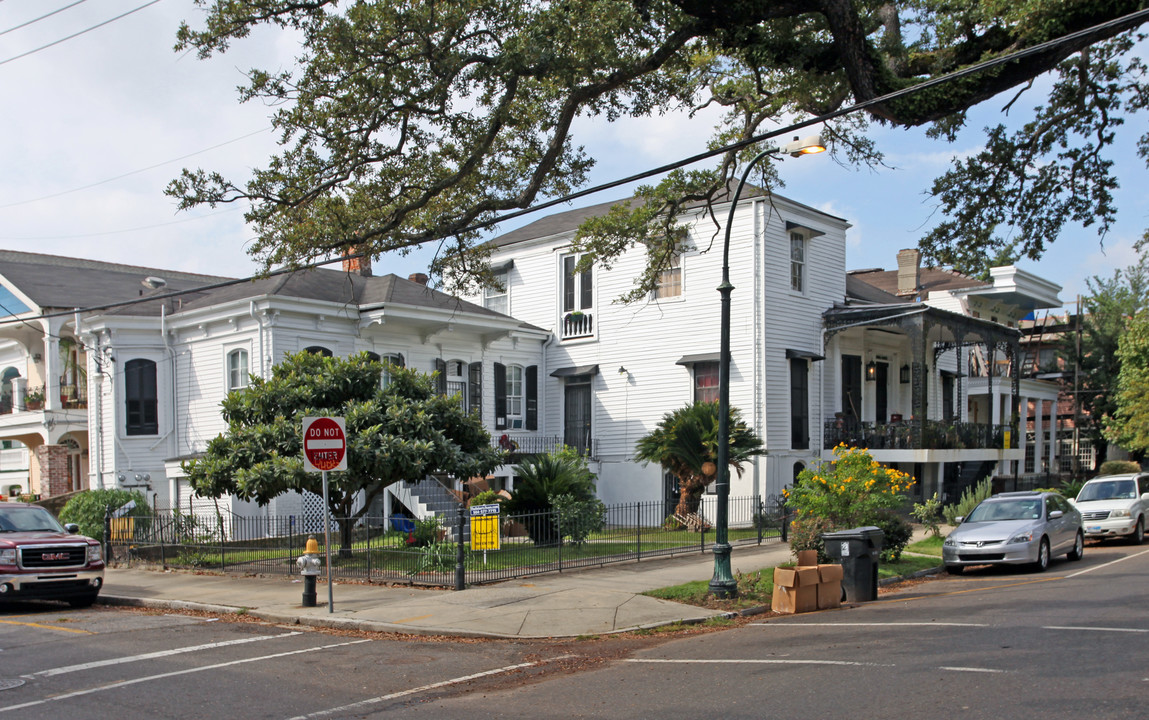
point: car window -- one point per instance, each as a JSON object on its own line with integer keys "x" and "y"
{"x": 27, "y": 519}
{"x": 1006, "y": 510}
{"x": 1108, "y": 490}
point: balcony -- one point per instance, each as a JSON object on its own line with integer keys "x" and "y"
{"x": 521, "y": 447}
{"x": 72, "y": 397}
{"x": 933, "y": 435}
{"x": 577, "y": 324}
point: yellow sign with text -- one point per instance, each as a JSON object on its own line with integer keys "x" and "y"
{"x": 485, "y": 532}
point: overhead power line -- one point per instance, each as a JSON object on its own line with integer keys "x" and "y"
{"x": 42, "y": 17}
{"x": 1129, "y": 21}
{"x": 77, "y": 34}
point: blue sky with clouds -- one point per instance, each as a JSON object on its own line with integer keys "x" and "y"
{"x": 95, "y": 127}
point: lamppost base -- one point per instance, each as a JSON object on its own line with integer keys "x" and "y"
{"x": 723, "y": 584}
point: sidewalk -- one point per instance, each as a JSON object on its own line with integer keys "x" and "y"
{"x": 592, "y": 601}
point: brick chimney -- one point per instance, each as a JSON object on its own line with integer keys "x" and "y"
{"x": 420, "y": 278}
{"x": 359, "y": 265}
{"x": 909, "y": 272}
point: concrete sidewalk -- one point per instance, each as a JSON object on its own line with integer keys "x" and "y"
{"x": 581, "y": 602}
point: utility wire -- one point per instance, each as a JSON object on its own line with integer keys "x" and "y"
{"x": 133, "y": 172}
{"x": 125, "y": 230}
{"x": 1131, "y": 20}
{"x": 42, "y": 17}
{"x": 77, "y": 34}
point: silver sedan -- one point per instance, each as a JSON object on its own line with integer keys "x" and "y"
{"x": 1017, "y": 528}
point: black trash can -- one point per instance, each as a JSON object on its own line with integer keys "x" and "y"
{"x": 858, "y": 551}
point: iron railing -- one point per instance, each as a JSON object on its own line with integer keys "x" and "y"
{"x": 930, "y": 435}
{"x": 426, "y": 552}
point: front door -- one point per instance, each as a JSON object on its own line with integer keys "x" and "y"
{"x": 881, "y": 393}
{"x": 576, "y": 415}
{"x": 851, "y": 389}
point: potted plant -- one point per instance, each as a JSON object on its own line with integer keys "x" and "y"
{"x": 34, "y": 399}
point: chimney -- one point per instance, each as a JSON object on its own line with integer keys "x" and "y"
{"x": 420, "y": 278}
{"x": 360, "y": 265}
{"x": 909, "y": 272}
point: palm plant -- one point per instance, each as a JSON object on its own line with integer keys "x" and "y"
{"x": 685, "y": 443}
{"x": 541, "y": 478}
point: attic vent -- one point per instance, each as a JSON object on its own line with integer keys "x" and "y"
{"x": 154, "y": 282}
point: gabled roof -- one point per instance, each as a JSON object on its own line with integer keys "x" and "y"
{"x": 569, "y": 220}
{"x": 54, "y": 282}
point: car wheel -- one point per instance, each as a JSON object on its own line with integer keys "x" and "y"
{"x": 1042, "y": 556}
{"x": 1138, "y": 535}
{"x": 955, "y": 569}
{"x": 1078, "y": 547}
{"x": 82, "y": 601}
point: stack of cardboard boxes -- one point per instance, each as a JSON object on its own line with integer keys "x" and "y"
{"x": 807, "y": 586}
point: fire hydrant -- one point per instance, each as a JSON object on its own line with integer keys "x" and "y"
{"x": 309, "y": 568}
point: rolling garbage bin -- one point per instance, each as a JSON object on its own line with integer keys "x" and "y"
{"x": 858, "y": 550}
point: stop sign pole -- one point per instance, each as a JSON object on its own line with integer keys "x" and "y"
{"x": 325, "y": 448}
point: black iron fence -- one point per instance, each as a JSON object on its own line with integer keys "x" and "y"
{"x": 930, "y": 435}
{"x": 427, "y": 552}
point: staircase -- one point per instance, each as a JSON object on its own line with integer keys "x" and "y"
{"x": 429, "y": 498}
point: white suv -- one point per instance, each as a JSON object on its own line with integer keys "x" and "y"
{"x": 1115, "y": 505}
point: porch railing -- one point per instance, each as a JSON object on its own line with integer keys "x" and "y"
{"x": 931, "y": 435}
{"x": 520, "y": 446}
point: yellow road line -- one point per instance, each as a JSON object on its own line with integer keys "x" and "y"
{"x": 48, "y": 627}
{"x": 413, "y": 619}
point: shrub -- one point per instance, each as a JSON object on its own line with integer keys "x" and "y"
{"x": 88, "y": 508}
{"x": 487, "y": 497}
{"x": 1070, "y": 488}
{"x": 426, "y": 533}
{"x": 896, "y": 533}
{"x": 1119, "y": 467}
{"x": 806, "y": 534}
{"x": 579, "y": 518}
{"x": 929, "y": 514}
{"x": 968, "y": 501}
{"x": 541, "y": 478}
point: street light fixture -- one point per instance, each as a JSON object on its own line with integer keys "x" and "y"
{"x": 723, "y": 583}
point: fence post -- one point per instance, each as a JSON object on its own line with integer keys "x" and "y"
{"x": 638, "y": 530}
{"x": 162, "y": 530}
{"x": 785, "y": 524}
{"x": 460, "y": 559}
{"x": 367, "y": 525}
{"x": 108, "y": 535}
{"x": 759, "y": 517}
{"x": 559, "y": 529}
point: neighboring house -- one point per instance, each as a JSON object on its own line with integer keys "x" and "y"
{"x": 922, "y": 370}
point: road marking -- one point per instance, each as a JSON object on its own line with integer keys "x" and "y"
{"x": 1096, "y": 629}
{"x": 772, "y": 661}
{"x": 972, "y": 669}
{"x": 422, "y": 688}
{"x": 1105, "y": 565}
{"x": 413, "y": 619}
{"x": 162, "y": 676}
{"x": 875, "y": 624}
{"x": 151, "y": 656}
{"x": 47, "y": 627}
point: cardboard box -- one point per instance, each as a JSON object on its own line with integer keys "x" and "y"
{"x": 807, "y": 558}
{"x": 829, "y": 586}
{"x": 795, "y": 590}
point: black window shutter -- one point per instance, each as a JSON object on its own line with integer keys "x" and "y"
{"x": 475, "y": 387}
{"x": 568, "y": 284}
{"x": 500, "y": 396}
{"x": 441, "y": 377}
{"x": 532, "y": 393}
{"x": 400, "y": 361}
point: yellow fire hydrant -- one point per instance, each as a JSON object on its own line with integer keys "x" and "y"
{"x": 309, "y": 568}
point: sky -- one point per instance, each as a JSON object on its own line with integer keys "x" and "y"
{"x": 94, "y": 127}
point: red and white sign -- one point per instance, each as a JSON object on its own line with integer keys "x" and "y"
{"x": 324, "y": 444}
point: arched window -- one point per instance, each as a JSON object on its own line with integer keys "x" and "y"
{"x": 141, "y": 398}
{"x": 237, "y": 370}
{"x": 388, "y": 359}
{"x": 318, "y": 350}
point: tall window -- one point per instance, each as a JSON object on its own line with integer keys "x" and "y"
{"x": 799, "y": 404}
{"x": 236, "y": 369}
{"x": 318, "y": 350}
{"x": 495, "y": 298}
{"x": 797, "y": 262}
{"x": 578, "y": 288}
{"x": 706, "y": 382}
{"x": 514, "y": 396}
{"x": 389, "y": 359}
{"x": 140, "y": 397}
{"x": 670, "y": 280}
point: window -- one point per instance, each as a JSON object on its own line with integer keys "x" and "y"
{"x": 799, "y": 404}
{"x": 797, "y": 262}
{"x": 236, "y": 369}
{"x": 516, "y": 397}
{"x": 578, "y": 288}
{"x": 670, "y": 280}
{"x": 389, "y": 359}
{"x": 456, "y": 378}
{"x": 706, "y": 382}
{"x": 318, "y": 350}
{"x": 497, "y": 299}
{"x": 140, "y": 397}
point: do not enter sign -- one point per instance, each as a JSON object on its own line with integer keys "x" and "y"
{"x": 324, "y": 444}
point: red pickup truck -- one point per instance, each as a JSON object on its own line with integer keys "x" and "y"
{"x": 42, "y": 560}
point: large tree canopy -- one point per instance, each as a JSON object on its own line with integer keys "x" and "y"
{"x": 1129, "y": 425}
{"x": 410, "y": 121}
{"x": 404, "y": 431}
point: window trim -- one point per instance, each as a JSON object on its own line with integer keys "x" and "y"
{"x": 149, "y": 406}
{"x": 229, "y": 381}
{"x": 677, "y": 266}
{"x": 491, "y": 294}
{"x": 803, "y": 264}
{"x": 709, "y": 366}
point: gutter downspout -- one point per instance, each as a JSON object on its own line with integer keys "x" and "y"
{"x": 95, "y": 385}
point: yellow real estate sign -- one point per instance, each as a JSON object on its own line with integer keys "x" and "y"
{"x": 484, "y": 527}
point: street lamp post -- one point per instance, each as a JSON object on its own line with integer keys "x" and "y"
{"x": 723, "y": 584}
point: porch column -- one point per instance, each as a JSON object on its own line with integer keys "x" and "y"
{"x": 1023, "y": 425}
{"x": 1038, "y": 436}
{"x": 1053, "y": 435}
{"x": 51, "y": 372}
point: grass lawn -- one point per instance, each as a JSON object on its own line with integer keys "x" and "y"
{"x": 929, "y": 546}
